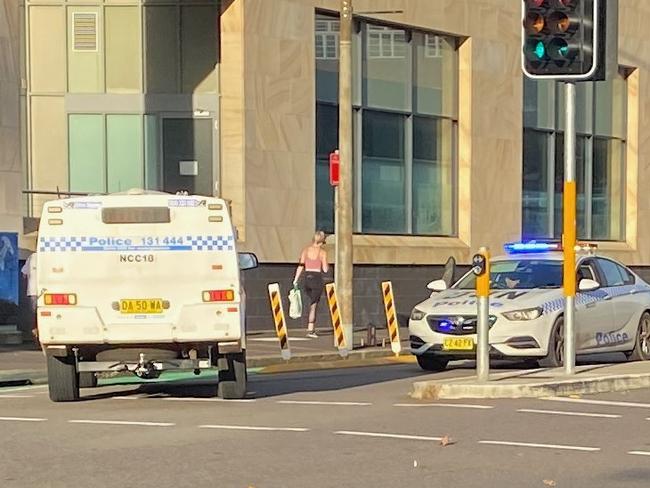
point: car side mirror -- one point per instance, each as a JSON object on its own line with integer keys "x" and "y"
{"x": 247, "y": 260}
{"x": 588, "y": 285}
{"x": 437, "y": 285}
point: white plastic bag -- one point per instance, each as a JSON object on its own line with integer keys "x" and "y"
{"x": 295, "y": 303}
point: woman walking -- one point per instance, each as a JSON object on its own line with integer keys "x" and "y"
{"x": 313, "y": 261}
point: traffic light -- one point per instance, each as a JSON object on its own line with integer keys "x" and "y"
{"x": 567, "y": 39}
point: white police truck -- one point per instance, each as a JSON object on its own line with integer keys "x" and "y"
{"x": 140, "y": 282}
{"x": 526, "y": 310}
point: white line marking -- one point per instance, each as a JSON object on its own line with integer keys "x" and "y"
{"x": 274, "y": 339}
{"x": 389, "y": 436}
{"x": 450, "y": 405}
{"x": 22, "y": 419}
{"x": 543, "y": 446}
{"x": 307, "y": 402}
{"x": 639, "y": 453}
{"x": 122, "y": 422}
{"x": 126, "y": 398}
{"x": 21, "y": 388}
{"x": 251, "y": 427}
{"x": 598, "y": 402}
{"x": 199, "y": 399}
{"x": 16, "y": 396}
{"x": 573, "y": 414}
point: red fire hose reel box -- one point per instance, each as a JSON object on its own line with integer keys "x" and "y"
{"x": 335, "y": 166}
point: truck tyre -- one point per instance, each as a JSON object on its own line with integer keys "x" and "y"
{"x": 62, "y": 379}
{"x": 87, "y": 380}
{"x": 232, "y": 375}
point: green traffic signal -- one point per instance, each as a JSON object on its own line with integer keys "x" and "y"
{"x": 540, "y": 50}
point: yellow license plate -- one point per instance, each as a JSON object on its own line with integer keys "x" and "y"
{"x": 458, "y": 344}
{"x": 145, "y": 305}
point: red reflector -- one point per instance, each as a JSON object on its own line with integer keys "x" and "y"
{"x": 46, "y": 314}
{"x": 233, "y": 309}
{"x": 218, "y": 296}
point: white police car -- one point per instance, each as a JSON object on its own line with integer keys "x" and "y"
{"x": 526, "y": 307}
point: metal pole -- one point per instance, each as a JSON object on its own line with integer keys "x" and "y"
{"x": 344, "y": 263}
{"x": 569, "y": 231}
{"x": 483, "y": 322}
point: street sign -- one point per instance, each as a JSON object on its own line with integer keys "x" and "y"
{"x": 335, "y": 168}
{"x": 478, "y": 264}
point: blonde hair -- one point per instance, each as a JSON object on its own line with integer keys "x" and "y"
{"x": 319, "y": 237}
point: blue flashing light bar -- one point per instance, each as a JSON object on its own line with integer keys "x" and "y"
{"x": 532, "y": 247}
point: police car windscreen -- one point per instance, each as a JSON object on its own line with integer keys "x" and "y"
{"x": 524, "y": 274}
{"x": 136, "y": 215}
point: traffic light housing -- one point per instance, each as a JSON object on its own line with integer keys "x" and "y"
{"x": 571, "y": 40}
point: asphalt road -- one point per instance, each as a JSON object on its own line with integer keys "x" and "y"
{"x": 337, "y": 428}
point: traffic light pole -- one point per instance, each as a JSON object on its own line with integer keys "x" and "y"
{"x": 343, "y": 214}
{"x": 569, "y": 231}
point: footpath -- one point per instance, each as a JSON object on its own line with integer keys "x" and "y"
{"x": 25, "y": 364}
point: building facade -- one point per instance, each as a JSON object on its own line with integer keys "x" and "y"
{"x": 453, "y": 149}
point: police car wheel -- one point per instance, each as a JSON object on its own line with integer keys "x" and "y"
{"x": 232, "y": 376}
{"x": 62, "y": 379}
{"x": 641, "y": 351}
{"x": 432, "y": 363}
{"x": 555, "y": 356}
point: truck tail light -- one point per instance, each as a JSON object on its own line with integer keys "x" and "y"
{"x": 218, "y": 295}
{"x": 60, "y": 299}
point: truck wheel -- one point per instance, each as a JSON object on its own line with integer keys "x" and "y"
{"x": 432, "y": 363}
{"x": 232, "y": 375}
{"x": 62, "y": 379}
{"x": 87, "y": 380}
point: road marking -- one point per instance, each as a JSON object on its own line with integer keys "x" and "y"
{"x": 543, "y": 446}
{"x": 16, "y": 396}
{"x": 122, "y": 422}
{"x": 251, "y": 427}
{"x": 22, "y": 388}
{"x": 450, "y": 405}
{"x": 573, "y": 414}
{"x": 183, "y": 399}
{"x": 309, "y": 402}
{"x": 597, "y": 402}
{"x": 200, "y": 399}
{"x": 22, "y": 419}
{"x": 639, "y": 453}
{"x": 274, "y": 339}
{"x": 389, "y": 436}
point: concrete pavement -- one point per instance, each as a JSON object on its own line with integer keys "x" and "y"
{"x": 589, "y": 379}
{"x": 353, "y": 427}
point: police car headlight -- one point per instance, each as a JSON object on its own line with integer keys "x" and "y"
{"x": 417, "y": 314}
{"x": 526, "y": 314}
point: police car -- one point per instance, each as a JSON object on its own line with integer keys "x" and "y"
{"x": 526, "y": 307}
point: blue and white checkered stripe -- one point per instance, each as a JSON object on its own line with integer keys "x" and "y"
{"x": 61, "y": 244}
{"x": 212, "y": 243}
{"x": 589, "y": 297}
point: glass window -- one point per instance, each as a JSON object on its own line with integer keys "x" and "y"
{"x": 613, "y": 274}
{"x": 386, "y": 68}
{"x": 124, "y": 151}
{"x": 383, "y": 188}
{"x": 162, "y": 48}
{"x": 435, "y": 89}
{"x": 327, "y": 120}
{"x": 405, "y": 123}
{"x": 432, "y": 190}
{"x": 199, "y": 48}
{"x": 86, "y": 153}
{"x": 327, "y": 58}
{"x": 600, "y": 158}
{"x": 536, "y": 203}
{"x": 519, "y": 274}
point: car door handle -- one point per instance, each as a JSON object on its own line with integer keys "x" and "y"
{"x": 608, "y": 297}
{"x": 591, "y": 305}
